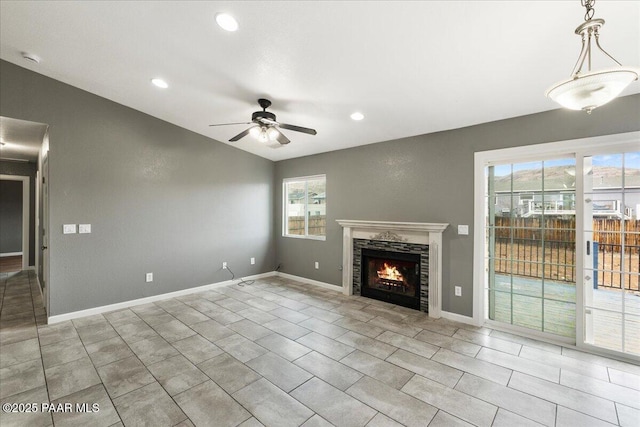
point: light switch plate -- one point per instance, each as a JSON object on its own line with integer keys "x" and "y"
{"x": 84, "y": 228}
{"x": 463, "y": 230}
{"x": 69, "y": 229}
{"x": 458, "y": 291}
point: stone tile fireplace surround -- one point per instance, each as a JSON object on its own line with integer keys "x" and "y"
{"x": 403, "y": 237}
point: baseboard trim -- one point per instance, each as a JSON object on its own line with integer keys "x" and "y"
{"x": 310, "y": 281}
{"x": 8, "y": 254}
{"x": 132, "y": 303}
{"x": 457, "y": 317}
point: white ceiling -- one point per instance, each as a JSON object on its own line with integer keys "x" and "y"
{"x": 411, "y": 67}
{"x": 21, "y": 140}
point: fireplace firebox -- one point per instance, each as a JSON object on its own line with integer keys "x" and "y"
{"x": 392, "y": 277}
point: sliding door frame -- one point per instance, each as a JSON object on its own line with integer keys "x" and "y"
{"x": 576, "y": 148}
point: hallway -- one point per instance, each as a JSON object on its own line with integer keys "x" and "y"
{"x": 21, "y": 308}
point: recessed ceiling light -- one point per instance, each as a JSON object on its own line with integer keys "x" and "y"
{"x": 227, "y": 22}
{"x": 160, "y": 83}
{"x": 357, "y": 116}
{"x": 31, "y": 57}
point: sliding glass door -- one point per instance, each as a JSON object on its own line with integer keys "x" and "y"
{"x": 557, "y": 249}
{"x": 530, "y": 229}
{"x": 612, "y": 251}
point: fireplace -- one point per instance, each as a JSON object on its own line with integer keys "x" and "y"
{"x": 400, "y": 282}
{"x": 418, "y": 238}
{"x": 391, "y": 276}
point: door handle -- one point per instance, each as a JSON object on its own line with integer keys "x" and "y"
{"x": 588, "y": 247}
{"x": 44, "y": 247}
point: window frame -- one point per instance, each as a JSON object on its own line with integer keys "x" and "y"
{"x": 285, "y": 197}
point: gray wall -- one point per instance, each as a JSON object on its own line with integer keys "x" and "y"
{"x": 427, "y": 178}
{"x": 160, "y": 199}
{"x": 10, "y": 216}
{"x": 25, "y": 169}
{"x": 165, "y": 200}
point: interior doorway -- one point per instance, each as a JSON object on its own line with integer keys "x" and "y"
{"x": 23, "y": 146}
{"x": 15, "y": 223}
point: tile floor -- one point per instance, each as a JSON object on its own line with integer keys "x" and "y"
{"x": 281, "y": 353}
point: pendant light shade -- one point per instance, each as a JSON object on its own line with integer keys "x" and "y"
{"x": 594, "y": 88}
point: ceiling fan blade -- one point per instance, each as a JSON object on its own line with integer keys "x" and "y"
{"x": 282, "y": 139}
{"x": 239, "y": 123}
{"x": 241, "y": 135}
{"x": 298, "y": 128}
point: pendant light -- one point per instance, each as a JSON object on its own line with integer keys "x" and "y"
{"x": 589, "y": 90}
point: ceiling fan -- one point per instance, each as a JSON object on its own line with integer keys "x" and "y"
{"x": 266, "y": 128}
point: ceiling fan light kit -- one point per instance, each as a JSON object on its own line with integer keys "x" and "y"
{"x": 266, "y": 128}
{"x": 594, "y": 88}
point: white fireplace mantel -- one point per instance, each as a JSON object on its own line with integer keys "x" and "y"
{"x": 410, "y": 232}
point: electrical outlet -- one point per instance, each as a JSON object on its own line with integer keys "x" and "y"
{"x": 224, "y": 264}
{"x": 317, "y": 265}
{"x": 253, "y": 261}
{"x": 458, "y": 291}
{"x": 149, "y": 277}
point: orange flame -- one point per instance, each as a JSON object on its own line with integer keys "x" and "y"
{"x": 390, "y": 272}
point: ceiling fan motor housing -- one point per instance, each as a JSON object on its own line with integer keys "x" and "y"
{"x": 255, "y": 117}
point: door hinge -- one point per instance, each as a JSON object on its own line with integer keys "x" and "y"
{"x": 43, "y": 179}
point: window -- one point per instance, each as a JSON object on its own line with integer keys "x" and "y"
{"x": 305, "y": 207}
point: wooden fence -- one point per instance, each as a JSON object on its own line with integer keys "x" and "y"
{"x": 520, "y": 250}
{"x": 317, "y": 225}
{"x": 605, "y": 231}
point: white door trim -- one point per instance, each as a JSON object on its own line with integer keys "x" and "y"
{"x": 25, "y": 214}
